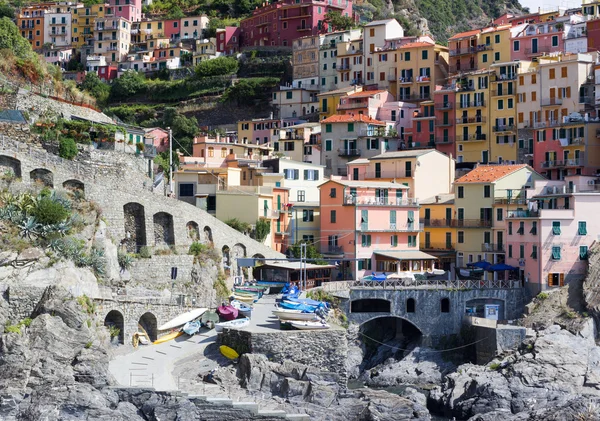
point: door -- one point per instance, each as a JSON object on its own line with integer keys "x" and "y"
{"x": 534, "y": 45}
{"x": 484, "y": 157}
{"x": 448, "y": 216}
{"x": 355, "y": 173}
{"x": 427, "y": 215}
{"x": 408, "y": 169}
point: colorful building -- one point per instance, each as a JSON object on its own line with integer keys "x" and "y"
{"x": 112, "y": 38}
{"x": 30, "y": 21}
{"x": 305, "y": 62}
{"x": 228, "y": 40}
{"x": 328, "y": 73}
{"x": 439, "y": 236}
{"x": 328, "y": 101}
{"x": 57, "y": 25}
{"x": 263, "y": 130}
{"x": 83, "y": 22}
{"x": 297, "y": 142}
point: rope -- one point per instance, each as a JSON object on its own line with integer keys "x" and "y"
{"x": 429, "y": 351}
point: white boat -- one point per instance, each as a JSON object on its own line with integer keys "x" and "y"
{"x": 232, "y": 324}
{"x": 243, "y": 308}
{"x": 309, "y": 325}
{"x": 285, "y": 314}
{"x": 183, "y": 319}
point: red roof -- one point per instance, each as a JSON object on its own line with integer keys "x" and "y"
{"x": 489, "y": 173}
{"x": 417, "y": 44}
{"x": 350, "y": 118}
{"x": 364, "y": 94}
{"x": 465, "y": 34}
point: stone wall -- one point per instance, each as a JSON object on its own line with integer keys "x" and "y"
{"x": 490, "y": 341}
{"x": 325, "y": 350}
{"x": 8, "y": 101}
{"x": 15, "y": 131}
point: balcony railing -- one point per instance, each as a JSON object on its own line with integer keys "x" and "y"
{"x": 442, "y": 140}
{"x": 504, "y": 128}
{"x": 472, "y": 137}
{"x": 465, "y": 68}
{"x": 380, "y": 201}
{"x": 349, "y": 152}
{"x": 343, "y": 67}
{"x": 415, "y": 97}
{"x": 471, "y": 120}
{"x": 335, "y": 249}
{"x": 523, "y": 214}
{"x": 537, "y": 51}
{"x": 577, "y": 162}
{"x": 405, "y": 80}
{"x": 397, "y": 228}
{"x": 513, "y": 201}
{"x": 468, "y": 104}
{"x": 549, "y": 102}
{"x": 463, "y": 51}
{"x": 492, "y": 248}
{"x": 439, "y": 246}
{"x": 458, "y": 223}
{"x": 444, "y": 105}
{"x": 440, "y": 123}
{"x": 387, "y": 174}
{"x": 543, "y": 124}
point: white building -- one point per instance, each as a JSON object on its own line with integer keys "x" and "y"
{"x": 57, "y": 27}
{"x": 328, "y": 74}
{"x": 112, "y": 38}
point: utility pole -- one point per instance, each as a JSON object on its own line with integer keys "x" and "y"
{"x": 170, "y": 161}
{"x": 303, "y": 265}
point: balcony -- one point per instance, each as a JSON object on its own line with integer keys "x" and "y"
{"x": 343, "y": 67}
{"x": 444, "y": 105}
{"x": 415, "y": 97}
{"x": 501, "y": 77}
{"x": 334, "y": 250}
{"x": 492, "y": 248}
{"x": 402, "y": 80}
{"x": 352, "y": 104}
{"x": 471, "y": 120}
{"x": 303, "y": 28}
{"x": 543, "y": 124}
{"x": 443, "y": 140}
{"x": 477, "y": 137}
{"x": 439, "y": 246}
{"x": 504, "y": 128}
{"x": 348, "y": 152}
{"x": 380, "y": 201}
{"x": 512, "y": 201}
{"x": 458, "y": 223}
{"x": 463, "y": 69}
{"x": 572, "y": 141}
{"x": 271, "y": 213}
{"x": 550, "y": 102}
{"x": 409, "y": 227}
{"x": 447, "y": 123}
{"x": 469, "y": 104}
{"x": 522, "y": 214}
{"x": 463, "y": 51}
{"x": 58, "y": 23}
{"x": 391, "y": 77}
{"x": 401, "y": 173}
{"x": 577, "y": 162}
{"x": 537, "y": 51}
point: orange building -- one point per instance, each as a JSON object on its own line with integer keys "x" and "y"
{"x": 30, "y": 21}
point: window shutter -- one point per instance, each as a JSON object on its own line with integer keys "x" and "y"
{"x": 360, "y": 265}
{"x": 582, "y": 228}
{"x": 305, "y": 215}
{"x": 306, "y": 174}
{"x": 296, "y": 174}
{"x": 559, "y": 93}
{"x": 549, "y": 279}
{"x": 568, "y": 92}
{"x": 316, "y": 175}
{"x": 561, "y": 278}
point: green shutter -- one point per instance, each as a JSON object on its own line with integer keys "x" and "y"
{"x": 278, "y": 225}
{"x": 534, "y": 252}
{"x": 350, "y": 127}
{"x": 265, "y": 208}
{"x": 278, "y": 202}
{"x": 364, "y": 220}
{"x": 583, "y": 252}
{"x": 368, "y": 240}
{"x": 328, "y": 145}
{"x": 328, "y": 128}
{"x": 392, "y": 217}
{"x": 360, "y": 265}
{"x": 582, "y": 228}
{"x": 556, "y": 227}
{"x": 399, "y": 194}
{"x": 556, "y": 253}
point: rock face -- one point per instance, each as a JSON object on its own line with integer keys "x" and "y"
{"x": 553, "y": 370}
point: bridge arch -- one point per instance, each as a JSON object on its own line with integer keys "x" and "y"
{"x": 149, "y": 323}
{"x": 114, "y": 320}
{"x": 73, "y": 185}
{"x": 193, "y": 231}
{"x": 43, "y": 176}
{"x": 164, "y": 233}
{"x": 10, "y": 164}
{"x": 208, "y": 237}
{"x": 370, "y": 305}
{"x": 135, "y": 226}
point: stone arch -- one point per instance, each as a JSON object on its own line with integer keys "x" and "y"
{"x": 10, "y": 164}
{"x": 135, "y": 227}
{"x": 115, "y": 319}
{"x": 258, "y": 256}
{"x": 238, "y": 250}
{"x": 208, "y": 237}
{"x": 43, "y": 176}
{"x": 411, "y": 305}
{"x": 193, "y": 231}
{"x": 74, "y": 185}
{"x": 226, "y": 256}
{"x": 445, "y": 305}
{"x": 148, "y": 322}
{"x": 370, "y": 305}
{"x": 164, "y": 234}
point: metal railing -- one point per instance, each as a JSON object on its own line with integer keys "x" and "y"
{"x": 492, "y": 248}
{"x": 444, "y": 105}
{"x": 409, "y": 227}
{"x": 577, "y": 162}
{"x": 467, "y": 104}
{"x": 523, "y": 214}
{"x": 472, "y": 137}
{"x": 504, "y": 128}
{"x": 335, "y": 249}
{"x": 442, "y": 140}
{"x": 435, "y": 284}
{"x": 458, "y": 223}
{"x": 548, "y": 102}
{"x": 471, "y": 120}
{"x": 439, "y": 246}
{"x": 380, "y": 201}
{"x": 349, "y": 152}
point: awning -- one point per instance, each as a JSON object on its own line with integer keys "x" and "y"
{"x": 406, "y": 255}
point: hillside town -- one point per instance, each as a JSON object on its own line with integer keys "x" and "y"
{"x": 398, "y": 197}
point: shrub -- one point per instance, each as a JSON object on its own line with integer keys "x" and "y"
{"x": 88, "y": 345}
{"x": 86, "y": 304}
{"x": 125, "y": 260}
{"x": 114, "y": 331}
{"x": 12, "y": 329}
{"x": 221, "y": 287}
{"x": 494, "y": 366}
{"x": 145, "y": 252}
{"x": 543, "y": 296}
{"x": 197, "y": 248}
{"x": 50, "y": 212}
{"x": 67, "y": 148}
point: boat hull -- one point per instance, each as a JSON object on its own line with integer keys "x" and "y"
{"x": 183, "y": 319}
{"x": 167, "y": 337}
{"x": 191, "y": 328}
{"x": 233, "y": 324}
{"x": 310, "y": 325}
{"x": 294, "y": 315}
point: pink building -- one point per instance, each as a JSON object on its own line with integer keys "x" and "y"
{"x": 536, "y": 39}
{"x": 367, "y": 102}
{"x": 107, "y": 73}
{"x": 282, "y": 22}
{"x": 548, "y": 240}
{"x": 158, "y": 137}
{"x": 221, "y": 151}
{"x": 228, "y": 40}
{"x": 373, "y": 224}
{"x": 422, "y": 133}
{"x": 172, "y": 28}
{"x": 128, "y": 9}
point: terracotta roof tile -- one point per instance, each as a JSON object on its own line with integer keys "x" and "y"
{"x": 417, "y": 44}
{"x": 488, "y": 173}
{"x": 349, "y": 118}
{"x": 364, "y": 94}
{"x": 465, "y": 34}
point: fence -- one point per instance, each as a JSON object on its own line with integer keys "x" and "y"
{"x": 408, "y": 283}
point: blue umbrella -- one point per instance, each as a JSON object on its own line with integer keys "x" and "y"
{"x": 500, "y": 267}
{"x": 381, "y": 277}
{"x": 481, "y": 264}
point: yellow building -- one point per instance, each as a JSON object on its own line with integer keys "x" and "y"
{"x": 329, "y": 101}
{"x": 419, "y": 67}
{"x": 480, "y": 207}
{"x": 439, "y": 237}
{"x": 83, "y": 20}
{"x": 350, "y": 63}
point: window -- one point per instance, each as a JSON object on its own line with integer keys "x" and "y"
{"x": 364, "y": 264}
{"x": 308, "y": 215}
{"x": 461, "y": 237}
{"x": 365, "y": 240}
{"x": 394, "y": 240}
{"x": 510, "y": 250}
{"x": 583, "y": 252}
{"x": 332, "y": 192}
{"x": 424, "y": 54}
{"x": 516, "y": 45}
{"x": 555, "y": 252}
{"x": 291, "y": 174}
{"x": 301, "y": 196}
{"x": 311, "y": 175}
{"x": 552, "y": 73}
{"x": 497, "y": 38}
{"x": 350, "y": 127}
{"x": 328, "y": 128}
{"x": 186, "y": 190}
{"x": 582, "y": 229}
{"x": 563, "y": 71}
{"x": 500, "y": 104}
{"x": 499, "y": 214}
{"x": 521, "y": 230}
{"x": 556, "y": 227}
{"x": 497, "y": 56}
{"x": 487, "y": 191}
{"x": 510, "y": 228}
{"x": 484, "y": 58}
{"x": 461, "y": 192}
{"x": 332, "y": 216}
{"x": 288, "y": 95}
{"x": 534, "y": 252}
{"x": 556, "y": 279}
{"x": 555, "y": 40}
{"x": 412, "y": 241}
{"x": 328, "y": 144}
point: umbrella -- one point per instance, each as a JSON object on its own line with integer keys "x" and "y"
{"x": 481, "y": 264}
{"x": 380, "y": 277}
{"x": 500, "y": 267}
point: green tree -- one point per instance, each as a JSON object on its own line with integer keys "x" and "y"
{"x": 6, "y": 10}
{"x": 238, "y": 225}
{"x": 217, "y": 67}
{"x": 129, "y": 84}
{"x": 312, "y": 253}
{"x": 11, "y": 39}
{"x": 162, "y": 161}
{"x": 338, "y": 22}
{"x": 175, "y": 13}
{"x": 262, "y": 229}
{"x": 67, "y": 148}
{"x": 184, "y": 129}
{"x": 215, "y": 23}
{"x": 96, "y": 88}
{"x": 50, "y": 212}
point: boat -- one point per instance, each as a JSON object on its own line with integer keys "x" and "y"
{"x": 307, "y": 301}
{"x": 252, "y": 288}
{"x": 210, "y": 316}
{"x": 227, "y": 312}
{"x": 229, "y": 353}
{"x": 274, "y": 286}
{"x": 233, "y": 324}
{"x": 297, "y": 306}
{"x": 183, "y": 319}
{"x": 243, "y": 308}
{"x": 192, "y": 328}
{"x": 244, "y": 299}
{"x": 435, "y": 272}
{"x": 168, "y": 337}
{"x": 285, "y": 314}
{"x": 309, "y": 325}
{"x": 256, "y": 294}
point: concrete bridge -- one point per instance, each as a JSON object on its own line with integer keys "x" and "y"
{"x": 434, "y": 312}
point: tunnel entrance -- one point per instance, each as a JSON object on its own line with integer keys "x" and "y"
{"x": 148, "y": 323}
{"x": 370, "y": 305}
{"x": 387, "y": 337}
{"x": 116, "y": 326}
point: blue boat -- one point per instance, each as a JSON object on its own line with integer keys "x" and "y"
{"x": 192, "y": 327}
{"x": 307, "y": 301}
{"x": 298, "y": 306}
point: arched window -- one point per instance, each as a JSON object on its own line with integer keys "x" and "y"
{"x": 410, "y": 305}
{"x": 445, "y": 305}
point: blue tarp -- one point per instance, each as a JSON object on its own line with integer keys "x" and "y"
{"x": 481, "y": 264}
{"x": 500, "y": 267}
{"x": 380, "y": 277}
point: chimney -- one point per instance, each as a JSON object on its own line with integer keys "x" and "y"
{"x": 437, "y": 199}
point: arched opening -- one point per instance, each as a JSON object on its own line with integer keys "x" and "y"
{"x": 387, "y": 337}
{"x": 410, "y": 305}
{"x": 490, "y": 308}
{"x": 135, "y": 227}
{"x": 370, "y": 305}
{"x": 148, "y": 323}
{"x": 164, "y": 234}
{"x": 74, "y": 185}
{"x": 445, "y": 305}
{"x": 116, "y": 326}
{"x": 193, "y": 231}
{"x": 226, "y": 259}
{"x": 239, "y": 250}
{"x": 10, "y": 166}
{"x": 258, "y": 256}
{"x": 42, "y": 176}
{"x": 208, "y": 238}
